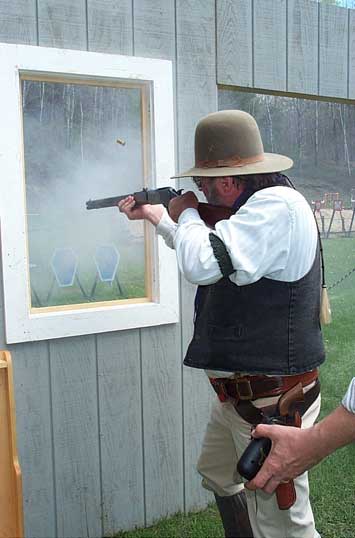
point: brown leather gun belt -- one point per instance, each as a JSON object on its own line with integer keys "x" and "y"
{"x": 252, "y": 387}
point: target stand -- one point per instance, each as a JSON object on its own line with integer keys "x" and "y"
{"x": 107, "y": 259}
{"x": 352, "y": 195}
{"x": 337, "y": 208}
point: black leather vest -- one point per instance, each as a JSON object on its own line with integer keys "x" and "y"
{"x": 268, "y": 327}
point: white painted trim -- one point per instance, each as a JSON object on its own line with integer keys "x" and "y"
{"x": 21, "y": 324}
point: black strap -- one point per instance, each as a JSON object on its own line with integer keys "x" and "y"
{"x": 222, "y": 255}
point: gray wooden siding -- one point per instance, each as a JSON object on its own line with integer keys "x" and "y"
{"x": 333, "y": 55}
{"x": 302, "y": 46}
{"x": 196, "y": 97}
{"x": 235, "y": 42}
{"x": 110, "y": 425}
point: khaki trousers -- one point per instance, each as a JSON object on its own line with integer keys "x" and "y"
{"x": 226, "y": 437}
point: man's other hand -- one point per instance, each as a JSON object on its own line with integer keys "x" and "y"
{"x": 153, "y": 213}
{"x": 180, "y": 203}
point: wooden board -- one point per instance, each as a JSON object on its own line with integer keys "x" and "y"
{"x": 11, "y": 511}
{"x": 154, "y": 36}
{"x": 18, "y": 22}
{"x": 333, "y": 50}
{"x": 302, "y": 46}
{"x": 120, "y": 420}
{"x": 270, "y": 44}
{"x": 197, "y": 96}
{"x": 110, "y": 26}
{"x": 351, "y": 66}
{"x": 73, "y": 371}
{"x": 62, "y": 24}
{"x": 30, "y": 363}
{"x": 154, "y": 29}
{"x": 34, "y": 426}
{"x": 198, "y": 397}
{"x": 234, "y": 42}
{"x": 162, "y": 421}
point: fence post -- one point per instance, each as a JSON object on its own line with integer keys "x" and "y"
{"x": 11, "y": 509}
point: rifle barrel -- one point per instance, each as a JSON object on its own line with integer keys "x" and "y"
{"x": 105, "y": 202}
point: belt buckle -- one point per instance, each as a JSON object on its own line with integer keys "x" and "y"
{"x": 248, "y": 393}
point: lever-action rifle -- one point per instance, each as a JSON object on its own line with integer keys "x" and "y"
{"x": 209, "y": 213}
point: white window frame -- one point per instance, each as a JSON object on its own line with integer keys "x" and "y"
{"x": 22, "y": 324}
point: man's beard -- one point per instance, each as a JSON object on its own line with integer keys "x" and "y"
{"x": 213, "y": 196}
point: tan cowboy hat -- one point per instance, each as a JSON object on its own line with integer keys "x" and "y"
{"x": 228, "y": 143}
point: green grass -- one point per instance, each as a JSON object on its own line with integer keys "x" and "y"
{"x": 195, "y": 525}
{"x": 332, "y": 482}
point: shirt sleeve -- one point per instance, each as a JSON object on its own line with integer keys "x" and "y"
{"x": 167, "y": 229}
{"x": 349, "y": 398}
{"x": 257, "y": 239}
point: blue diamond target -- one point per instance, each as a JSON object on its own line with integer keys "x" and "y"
{"x": 64, "y": 264}
{"x": 107, "y": 259}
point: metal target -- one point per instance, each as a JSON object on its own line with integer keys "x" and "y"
{"x": 64, "y": 264}
{"x": 107, "y": 259}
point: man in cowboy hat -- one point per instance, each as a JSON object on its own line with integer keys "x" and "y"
{"x": 257, "y": 331}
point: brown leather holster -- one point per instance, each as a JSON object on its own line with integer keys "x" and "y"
{"x": 288, "y": 411}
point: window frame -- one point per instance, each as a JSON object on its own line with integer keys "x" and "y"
{"x": 24, "y": 323}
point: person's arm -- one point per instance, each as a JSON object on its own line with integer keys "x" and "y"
{"x": 296, "y": 450}
{"x": 157, "y": 215}
{"x": 257, "y": 239}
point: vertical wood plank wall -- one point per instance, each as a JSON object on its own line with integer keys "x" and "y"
{"x": 110, "y": 425}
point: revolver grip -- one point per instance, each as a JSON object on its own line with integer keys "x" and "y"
{"x": 253, "y": 457}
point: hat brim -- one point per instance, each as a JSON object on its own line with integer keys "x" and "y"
{"x": 272, "y": 162}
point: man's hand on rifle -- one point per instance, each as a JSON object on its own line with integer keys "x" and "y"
{"x": 180, "y": 203}
{"x": 153, "y": 213}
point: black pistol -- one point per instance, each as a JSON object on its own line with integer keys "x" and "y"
{"x": 253, "y": 457}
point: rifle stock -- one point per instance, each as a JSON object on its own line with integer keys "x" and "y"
{"x": 211, "y": 214}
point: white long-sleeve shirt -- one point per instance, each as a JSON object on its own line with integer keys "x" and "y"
{"x": 349, "y": 398}
{"x": 273, "y": 235}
